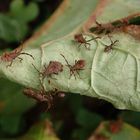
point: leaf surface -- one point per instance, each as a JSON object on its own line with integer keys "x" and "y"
{"x": 113, "y": 76}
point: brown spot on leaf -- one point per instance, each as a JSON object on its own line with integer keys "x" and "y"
{"x": 115, "y": 126}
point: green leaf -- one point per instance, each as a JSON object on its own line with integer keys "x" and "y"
{"x": 127, "y": 132}
{"x": 110, "y": 76}
{"x": 88, "y": 119}
{"x": 75, "y": 103}
{"x": 10, "y": 124}
{"x": 12, "y": 106}
{"x": 131, "y": 117}
{"x": 10, "y": 29}
{"x": 67, "y": 18}
{"x": 124, "y": 9}
{"x": 81, "y": 134}
{"x": 23, "y": 13}
{"x": 40, "y": 131}
{"x": 18, "y": 16}
{"x": 115, "y": 75}
{"x": 70, "y": 19}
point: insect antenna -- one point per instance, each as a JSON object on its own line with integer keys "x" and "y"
{"x": 97, "y": 23}
{"x": 37, "y": 70}
{"x": 112, "y": 42}
{"x": 28, "y": 55}
{"x": 21, "y": 48}
{"x": 94, "y": 38}
{"x": 65, "y": 60}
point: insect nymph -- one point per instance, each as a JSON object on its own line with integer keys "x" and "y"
{"x": 42, "y": 95}
{"x": 39, "y": 95}
{"x": 81, "y": 40}
{"x": 54, "y": 67}
{"x": 78, "y": 65}
{"x": 11, "y": 56}
{"x": 109, "y": 47}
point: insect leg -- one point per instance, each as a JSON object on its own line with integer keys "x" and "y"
{"x": 98, "y": 24}
{"x": 74, "y": 74}
{"x": 88, "y": 46}
{"x": 50, "y": 100}
{"x": 20, "y": 59}
{"x": 71, "y": 73}
{"x": 78, "y": 74}
{"x": 52, "y": 77}
{"x": 79, "y": 45}
{"x": 10, "y": 64}
{"x": 113, "y": 42}
{"x": 40, "y": 73}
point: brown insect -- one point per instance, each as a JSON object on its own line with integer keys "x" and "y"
{"x": 115, "y": 126}
{"x": 79, "y": 65}
{"x": 42, "y": 95}
{"x": 108, "y": 48}
{"x": 11, "y": 56}
{"x": 81, "y": 40}
{"x": 56, "y": 92}
{"x": 39, "y": 95}
{"x": 54, "y": 67}
{"x": 107, "y": 28}
{"x": 102, "y": 28}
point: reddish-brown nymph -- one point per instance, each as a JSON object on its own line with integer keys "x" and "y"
{"x": 79, "y": 65}
{"x": 54, "y": 67}
{"x": 115, "y": 126}
{"x": 11, "y": 56}
{"x": 81, "y": 40}
{"x": 39, "y": 95}
{"x": 42, "y": 95}
{"x": 109, "y": 47}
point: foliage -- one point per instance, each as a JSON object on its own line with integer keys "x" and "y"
{"x": 14, "y": 24}
{"x": 112, "y": 76}
{"x": 40, "y": 131}
{"x": 126, "y": 132}
{"x": 13, "y": 104}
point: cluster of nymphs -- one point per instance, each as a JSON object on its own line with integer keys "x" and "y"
{"x": 54, "y": 67}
